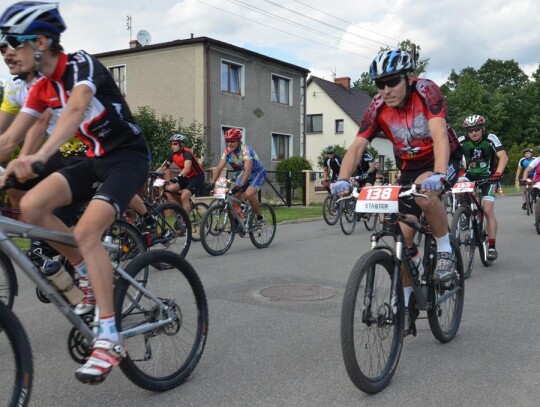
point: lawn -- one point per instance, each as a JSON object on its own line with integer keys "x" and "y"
{"x": 284, "y": 213}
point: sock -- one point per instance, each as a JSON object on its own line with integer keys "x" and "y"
{"x": 407, "y": 291}
{"x": 80, "y": 268}
{"x": 491, "y": 243}
{"x": 107, "y": 328}
{"x": 443, "y": 244}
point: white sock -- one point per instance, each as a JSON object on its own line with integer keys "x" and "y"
{"x": 80, "y": 268}
{"x": 443, "y": 244}
{"x": 107, "y": 328}
{"x": 407, "y": 291}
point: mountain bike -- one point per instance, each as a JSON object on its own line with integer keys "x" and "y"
{"x": 348, "y": 217}
{"x": 330, "y": 209}
{"x": 468, "y": 224}
{"x": 163, "y": 320}
{"x": 231, "y": 215}
{"x": 373, "y": 310}
{"x": 529, "y": 197}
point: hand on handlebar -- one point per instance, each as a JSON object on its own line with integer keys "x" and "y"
{"x": 434, "y": 182}
{"x": 341, "y": 186}
{"x": 495, "y": 177}
{"x": 21, "y": 170}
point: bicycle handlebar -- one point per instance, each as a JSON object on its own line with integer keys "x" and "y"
{"x": 38, "y": 167}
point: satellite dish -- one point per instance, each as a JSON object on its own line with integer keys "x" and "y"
{"x": 144, "y": 37}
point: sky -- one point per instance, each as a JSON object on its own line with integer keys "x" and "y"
{"x": 330, "y": 38}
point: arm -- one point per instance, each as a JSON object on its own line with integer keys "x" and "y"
{"x": 248, "y": 167}
{"x": 217, "y": 171}
{"x": 503, "y": 160}
{"x": 187, "y": 168}
{"x": 441, "y": 146}
{"x": 526, "y": 172}
{"x": 518, "y": 171}
{"x": 5, "y": 120}
{"x": 11, "y": 138}
{"x": 36, "y": 135}
{"x": 352, "y": 157}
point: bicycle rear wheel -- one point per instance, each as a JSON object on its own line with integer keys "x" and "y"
{"x": 164, "y": 357}
{"x": 482, "y": 236}
{"x": 371, "y": 333}
{"x": 462, "y": 231}
{"x": 8, "y": 281}
{"x": 195, "y": 217}
{"x": 217, "y": 230}
{"x": 16, "y": 369}
{"x": 529, "y": 202}
{"x": 173, "y": 229}
{"x": 262, "y": 233}
{"x": 537, "y": 216}
{"x": 330, "y": 210}
{"x": 445, "y": 318}
{"x": 370, "y": 221}
{"x": 347, "y": 216}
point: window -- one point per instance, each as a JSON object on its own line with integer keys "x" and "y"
{"x": 281, "y": 90}
{"x": 232, "y": 77}
{"x": 314, "y": 123}
{"x": 280, "y": 146}
{"x": 339, "y": 126}
{"x": 119, "y": 75}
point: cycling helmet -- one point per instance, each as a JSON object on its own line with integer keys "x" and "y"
{"x": 330, "y": 150}
{"x": 233, "y": 135}
{"x": 177, "y": 137}
{"x": 527, "y": 150}
{"x": 391, "y": 62}
{"x": 474, "y": 121}
{"x": 32, "y": 17}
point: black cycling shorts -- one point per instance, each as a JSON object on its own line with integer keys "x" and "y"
{"x": 195, "y": 184}
{"x": 117, "y": 178}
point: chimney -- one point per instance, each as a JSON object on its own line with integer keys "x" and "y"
{"x": 134, "y": 44}
{"x": 344, "y": 81}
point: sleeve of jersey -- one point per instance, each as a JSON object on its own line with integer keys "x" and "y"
{"x": 432, "y": 97}
{"x": 35, "y": 102}
{"x": 90, "y": 71}
{"x": 9, "y": 103}
{"x": 495, "y": 142}
{"x": 369, "y": 127}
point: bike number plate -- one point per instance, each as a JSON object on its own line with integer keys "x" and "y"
{"x": 378, "y": 199}
{"x": 461, "y": 187}
{"x": 220, "y": 193}
{"x": 159, "y": 182}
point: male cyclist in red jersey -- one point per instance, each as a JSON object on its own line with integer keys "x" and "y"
{"x": 412, "y": 114}
{"x": 117, "y": 157}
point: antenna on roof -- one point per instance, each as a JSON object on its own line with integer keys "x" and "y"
{"x": 128, "y": 21}
{"x": 334, "y": 74}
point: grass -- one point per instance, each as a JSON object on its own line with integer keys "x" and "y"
{"x": 284, "y": 213}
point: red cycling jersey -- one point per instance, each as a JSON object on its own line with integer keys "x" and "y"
{"x": 407, "y": 127}
{"x": 179, "y": 159}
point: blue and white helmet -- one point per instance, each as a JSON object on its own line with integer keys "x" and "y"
{"x": 391, "y": 62}
{"x": 177, "y": 137}
{"x": 32, "y": 17}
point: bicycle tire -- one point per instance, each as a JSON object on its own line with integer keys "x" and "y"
{"x": 347, "y": 216}
{"x": 261, "y": 235}
{"x": 529, "y": 201}
{"x": 464, "y": 234}
{"x": 173, "y": 229}
{"x": 370, "y": 222}
{"x": 537, "y": 216}
{"x": 482, "y": 237}
{"x": 195, "y": 217}
{"x": 16, "y": 375}
{"x": 129, "y": 240}
{"x": 8, "y": 281}
{"x": 330, "y": 210}
{"x": 377, "y": 266}
{"x": 217, "y": 230}
{"x": 163, "y": 358}
{"x": 445, "y": 318}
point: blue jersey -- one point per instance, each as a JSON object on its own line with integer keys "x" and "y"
{"x": 524, "y": 163}
{"x": 238, "y": 158}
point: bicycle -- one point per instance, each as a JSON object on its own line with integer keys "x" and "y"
{"x": 348, "y": 217}
{"x": 330, "y": 208}
{"x": 533, "y": 190}
{"x": 373, "y": 310}
{"x": 231, "y": 215}
{"x": 469, "y": 226}
{"x": 163, "y": 320}
{"x": 529, "y": 197}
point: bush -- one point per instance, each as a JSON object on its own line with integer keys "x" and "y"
{"x": 295, "y": 165}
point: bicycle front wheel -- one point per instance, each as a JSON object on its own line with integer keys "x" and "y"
{"x": 370, "y": 221}
{"x": 164, "y": 357}
{"x": 445, "y": 318}
{"x": 537, "y": 216}
{"x": 16, "y": 369}
{"x": 482, "y": 237}
{"x": 330, "y": 210}
{"x": 217, "y": 230}
{"x": 529, "y": 202}
{"x": 371, "y": 332}
{"x": 262, "y": 233}
{"x": 347, "y": 216}
{"x": 8, "y": 281}
{"x": 195, "y": 217}
{"x": 462, "y": 231}
{"x": 173, "y": 229}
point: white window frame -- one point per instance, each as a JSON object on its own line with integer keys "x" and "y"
{"x": 115, "y": 70}
{"x": 241, "y": 77}
{"x": 274, "y": 78}
{"x": 289, "y": 146}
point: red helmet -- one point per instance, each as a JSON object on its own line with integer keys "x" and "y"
{"x": 233, "y": 135}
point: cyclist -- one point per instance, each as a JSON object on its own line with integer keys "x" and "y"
{"x": 117, "y": 156}
{"x": 481, "y": 150}
{"x": 191, "y": 177}
{"x": 332, "y": 165}
{"x": 533, "y": 167}
{"x": 412, "y": 114}
{"x": 364, "y": 170}
{"x": 524, "y": 162}
{"x": 250, "y": 171}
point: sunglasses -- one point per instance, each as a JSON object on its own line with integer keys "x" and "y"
{"x": 229, "y": 142}
{"x": 474, "y": 129}
{"x": 175, "y": 144}
{"x": 17, "y": 41}
{"x": 391, "y": 83}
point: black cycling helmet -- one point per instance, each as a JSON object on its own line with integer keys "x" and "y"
{"x": 527, "y": 150}
{"x": 330, "y": 150}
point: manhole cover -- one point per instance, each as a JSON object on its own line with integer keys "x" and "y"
{"x": 297, "y": 292}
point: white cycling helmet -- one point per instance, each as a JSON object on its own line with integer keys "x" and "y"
{"x": 178, "y": 137}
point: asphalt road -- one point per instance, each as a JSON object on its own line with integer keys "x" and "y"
{"x": 265, "y": 351}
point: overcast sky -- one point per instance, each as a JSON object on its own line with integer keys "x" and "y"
{"x": 327, "y": 37}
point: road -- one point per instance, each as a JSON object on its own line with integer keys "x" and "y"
{"x": 266, "y": 351}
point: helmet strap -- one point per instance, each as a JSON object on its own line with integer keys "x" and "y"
{"x": 408, "y": 92}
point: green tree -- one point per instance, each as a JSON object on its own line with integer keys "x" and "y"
{"x": 157, "y": 133}
{"x": 321, "y": 159}
{"x": 295, "y": 165}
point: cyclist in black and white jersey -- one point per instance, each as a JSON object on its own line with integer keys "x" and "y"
{"x": 332, "y": 164}
{"x": 92, "y": 108}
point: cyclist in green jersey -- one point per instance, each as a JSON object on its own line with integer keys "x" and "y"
{"x": 486, "y": 158}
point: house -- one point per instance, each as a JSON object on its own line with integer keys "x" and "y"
{"x": 220, "y": 86}
{"x": 333, "y": 115}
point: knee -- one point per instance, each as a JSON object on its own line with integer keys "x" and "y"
{"x": 86, "y": 238}
{"x": 32, "y": 210}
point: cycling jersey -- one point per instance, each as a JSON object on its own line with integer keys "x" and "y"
{"x": 480, "y": 156}
{"x": 524, "y": 162}
{"x": 179, "y": 159}
{"x": 407, "y": 127}
{"x": 108, "y": 124}
{"x": 334, "y": 164}
{"x": 534, "y": 164}
{"x": 238, "y": 158}
{"x": 15, "y": 92}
